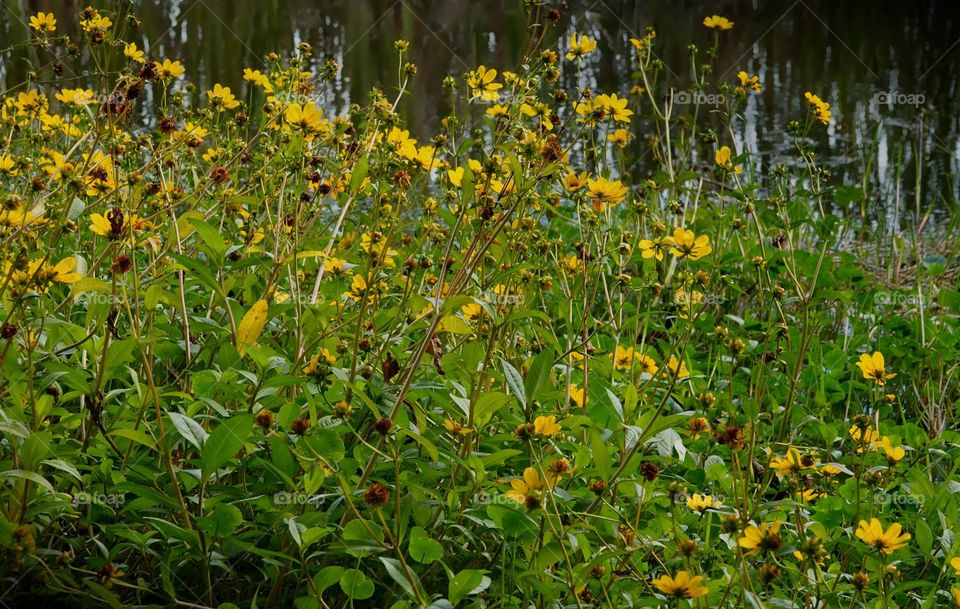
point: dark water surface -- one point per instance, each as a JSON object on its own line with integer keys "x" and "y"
{"x": 889, "y": 68}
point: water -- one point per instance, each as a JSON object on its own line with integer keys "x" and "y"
{"x": 889, "y": 68}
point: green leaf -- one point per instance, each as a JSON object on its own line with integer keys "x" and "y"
{"x": 222, "y": 521}
{"x": 224, "y": 442}
{"x": 487, "y": 405}
{"x": 211, "y": 236}
{"x": 189, "y": 429}
{"x": 327, "y": 577}
{"x": 356, "y": 585}
{"x": 511, "y": 521}
{"x": 358, "y": 174}
{"x": 466, "y": 582}
{"x": 924, "y": 537}
{"x": 423, "y": 549}
{"x": 514, "y": 381}
{"x": 538, "y": 377}
{"x": 395, "y": 571}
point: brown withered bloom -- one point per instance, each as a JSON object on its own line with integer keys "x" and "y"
{"x": 649, "y": 470}
{"x": 768, "y": 573}
{"x": 560, "y": 466}
{"x": 732, "y": 436}
{"x": 300, "y": 426}
{"x": 687, "y": 547}
{"x": 219, "y": 175}
{"x": 860, "y": 580}
{"x": 598, "y": 487}
{"x": 167, "y": 125}
{"x": 121, "y": 264}
{"x": 524, "y": 431}
{"x": 377, "y": 495}
{"x": 382, "y": 426}
{"x": 264, "y": 419}
{"x": 149, "y": 70}
{"x": 8, "y": 331}
{"x": 402, "y": 178}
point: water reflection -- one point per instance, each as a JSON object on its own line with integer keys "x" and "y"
{"x": 850, "y": 53}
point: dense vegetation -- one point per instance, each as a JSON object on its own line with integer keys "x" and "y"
{"x": 257, "y": 356}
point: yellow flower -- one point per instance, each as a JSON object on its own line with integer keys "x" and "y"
{"x": 682, "y": 585}
{"x": 96, "y": 22}
{"x": 44, "y": 22}
{"x": 717, "y": 22}
{"x": 8, "y": 166}
{"x": 115, "y": 224}
{"x": 306, "y": 116}
{"x": 868, "y": 436}
{"x": 258, "y": 78}
{"x": 605, "y": 192}
{"x": 481, "y": 84}
{"x": 830, "y": 470}
{"x": 955, "y": 563}
{"x": 472, "y": 311}
{"x": 222, "y": 97}
{"x": 886, "y": 541}
{"x": 701, "y": 503}
{"x": 895, "y": 454}
{"x": 211, "y": 155}
{"x": 677, "y": 368}
{"x": 131, "y": 52}
{"x": 526, "y": 491}
{"x": 571, "y": 262}
{"x": 313, "y": 366}
{"x": 874, "y": 369}
{"x": 30, "y": 104}
{"x": 580, "y": 48}
{"x": 722, "y": 157}
{"x": 546, "y": 426}
{"x": 615, "y": 106}
{"x": 624, "y": 357}
{"x": 821, "y": 109}
{"x": 456, "y": 427}
{"x": 405, "y": 145}
{"x": 358, "y": 286}
{"x": 642, "y": 43}
{"x": 497, "y": 110}
{"x": 578, "y": 395}
{"x": 619, "y": 138}
{"x": 455, "y": 176}
{"x": 647, "y": 364}
{"x": 789, "y": 464}
{"x": 763, "y": 538}
{"x": 65, "y": 271}
{"x": 425, "y": 157}
{"x": 172, "y": 69}
{"x": 655, "y": 248}
{"x": 685, "y": 244}
{"x": 810, "y": 495}
{"x": 334, "y": 266}
{"x": 956, "y": 596}
{"x": 749, "y": 82}
{"x": 76, "y": 97}
{"x": 575, "y": 181}
{"x": 38, "y": 275}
